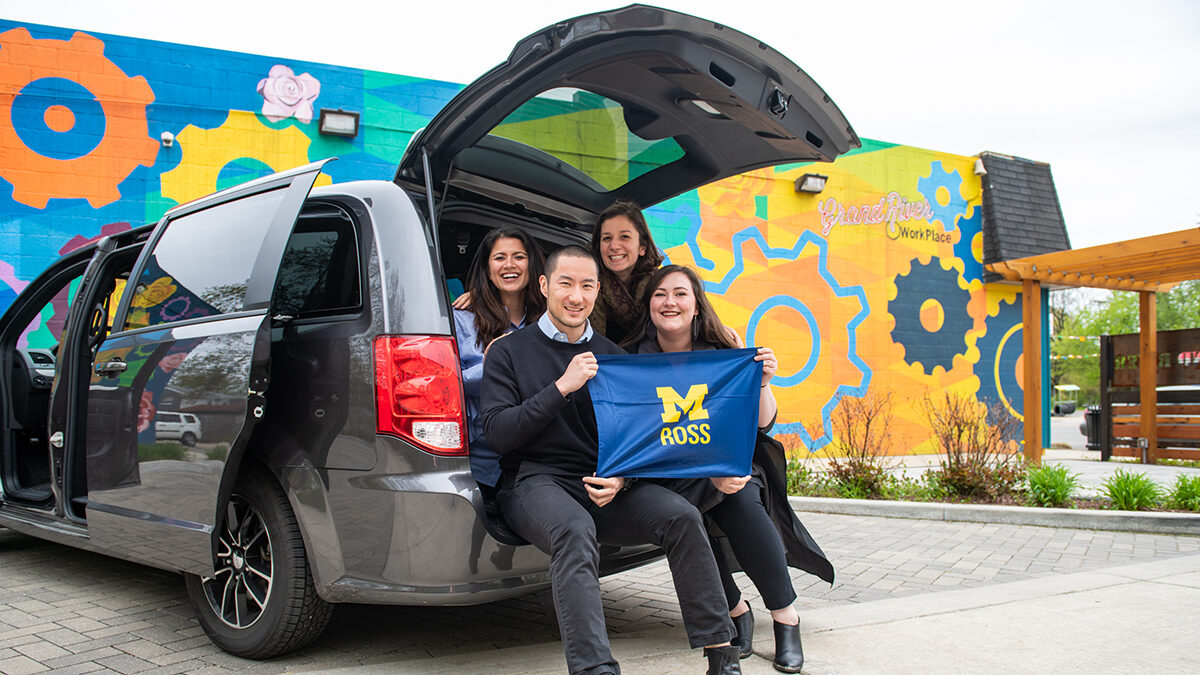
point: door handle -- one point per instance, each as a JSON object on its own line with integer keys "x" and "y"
{"x": 111, "y": 368}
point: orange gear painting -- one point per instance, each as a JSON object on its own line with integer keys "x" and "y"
{"x": 125, "y": 143}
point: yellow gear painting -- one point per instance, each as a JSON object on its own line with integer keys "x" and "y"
{"x": 207, "y": 151}
{"x": 873, "y": 285}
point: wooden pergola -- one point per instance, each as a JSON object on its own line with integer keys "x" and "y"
{"x": 1147, "y": 265}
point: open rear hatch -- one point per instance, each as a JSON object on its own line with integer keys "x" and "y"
{"x": 639, "y": 103}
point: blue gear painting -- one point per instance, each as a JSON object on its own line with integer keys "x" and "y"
{"x": 963, "y": 250}
{"x": 999, "y": 350}
{"x": 952, "y": 181}
{"x": 930, "y": 349}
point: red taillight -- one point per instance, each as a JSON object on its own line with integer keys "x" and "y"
{"x": 418, "y": 392}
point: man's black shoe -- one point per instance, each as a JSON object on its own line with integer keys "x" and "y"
{"x": 723, "y": 660}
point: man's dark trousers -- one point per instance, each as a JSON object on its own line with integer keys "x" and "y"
{"x": 555, "y": 514}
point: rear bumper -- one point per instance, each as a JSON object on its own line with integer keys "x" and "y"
{"x": 417, "y": 538}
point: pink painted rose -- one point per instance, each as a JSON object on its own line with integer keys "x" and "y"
{"x": 286, "y": 94}
{"x": 146, "y": 412}
{"x": 171, "y": 361}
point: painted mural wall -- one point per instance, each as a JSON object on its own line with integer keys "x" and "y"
{"x": 872, "y": 285}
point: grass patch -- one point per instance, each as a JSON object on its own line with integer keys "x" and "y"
{"x": 1188, "y": 463}
{"x": 156, "y": 451}
{"x": 218, "y": 453}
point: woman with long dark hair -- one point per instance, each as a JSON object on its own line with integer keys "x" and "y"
{"x": 625, "y": 251}
{"x": 622, "y": 244}
{"x": 504, "y": 297}
{"x": 760, "y": 527}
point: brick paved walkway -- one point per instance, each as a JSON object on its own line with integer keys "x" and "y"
{"x": 75, "y": 612}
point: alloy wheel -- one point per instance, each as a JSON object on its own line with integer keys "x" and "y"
{"x": 239, "y": 589}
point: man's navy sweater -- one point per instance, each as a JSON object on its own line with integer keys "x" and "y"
{"x": 525, "y": 418}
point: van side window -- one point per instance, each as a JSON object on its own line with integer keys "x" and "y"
{"x": 319, "y": 273}
{"x": 202, "y": 263}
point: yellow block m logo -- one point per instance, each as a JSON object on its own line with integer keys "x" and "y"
{"x": 675, "y": 405}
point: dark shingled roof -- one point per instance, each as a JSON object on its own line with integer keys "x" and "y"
{"x": 1021, "y": 214}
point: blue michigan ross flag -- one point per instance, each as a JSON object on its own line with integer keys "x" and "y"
{"x": 677, "y": 415}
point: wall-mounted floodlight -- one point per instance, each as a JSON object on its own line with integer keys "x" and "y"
{"x": 338, "y": 123}
{"x": 811, "y": 183}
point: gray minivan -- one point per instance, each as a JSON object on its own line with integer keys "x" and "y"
{"x": 314, "y": 325}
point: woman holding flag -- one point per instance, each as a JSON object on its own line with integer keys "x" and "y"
{"x": 752, "y": 511}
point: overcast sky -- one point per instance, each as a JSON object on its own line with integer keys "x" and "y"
{"x": 1107, "y": 92}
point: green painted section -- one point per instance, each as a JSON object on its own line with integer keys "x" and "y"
{"x": 671, "y": 221}
{"x": 587, "y": 132}
{"x": 868, "y": 145}
{"x": 41, "y": 337}
{"x": 760, "y": 206}
{"x": 322, "y": 146}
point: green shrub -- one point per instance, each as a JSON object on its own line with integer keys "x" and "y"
{"x": 805, "y": 479}
{"x": 928, "y": 487}
{"x": 1050, "y": 485}
{"x": 858, "y": 478}
{"x": 218, "y": 453}
{"x": 156, "y": 451}
{"x": 800, "y": 478}
{"x": 1185, "y": 493}
{"x": 1131, "y": 491}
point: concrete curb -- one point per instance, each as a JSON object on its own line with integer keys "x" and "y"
{"x": 1082, "y": 519}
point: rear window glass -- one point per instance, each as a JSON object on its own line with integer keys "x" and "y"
{"x": 589, "y": 132}
{"x": 202, "y": 263}
{"x": 319, "y": 273}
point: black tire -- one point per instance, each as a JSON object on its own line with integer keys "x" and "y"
{"x": 188, "y": 439}
{"x": 259, "y": 537}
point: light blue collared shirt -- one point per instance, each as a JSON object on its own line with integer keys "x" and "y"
{"x": 555, "y": 334}
{"x": 485, "y": 463}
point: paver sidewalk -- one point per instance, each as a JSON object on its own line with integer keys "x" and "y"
{"x": 76, "y": 612}
{"x": 1137, "y": 617}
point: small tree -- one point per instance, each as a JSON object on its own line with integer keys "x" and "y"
{"x": 862, "y": 435}
{"x": 982, "y": 459}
